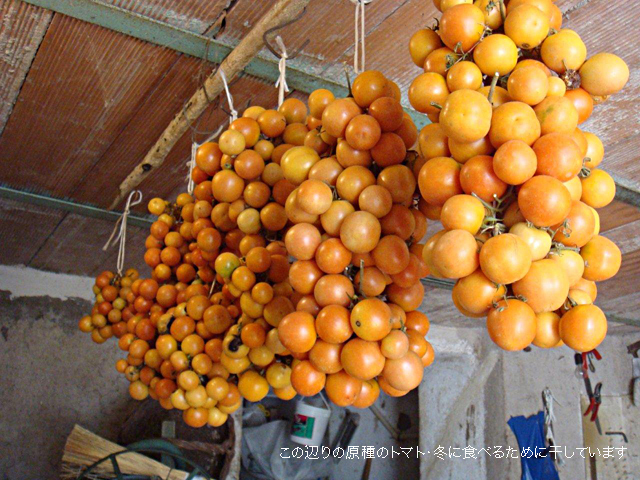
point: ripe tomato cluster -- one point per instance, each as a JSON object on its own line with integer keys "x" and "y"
{"x": 110, "y": 312}
{"x": 226, "y": 315}
{"x": 353, "y": 236}
{"x": 506, "y": 169}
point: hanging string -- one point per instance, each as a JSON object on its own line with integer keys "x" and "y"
{"x": 234, "y": 113}
{"x": 195, "y": 145}
{"x": 281, "y": 83}
{"x": 191, "y": 164}
{"x": 549, "y": 418}
{"x": 192, "y": 161}
{"x": 358, "y": 48}
{"x": 121, "y": 227}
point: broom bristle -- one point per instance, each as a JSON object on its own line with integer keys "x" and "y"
{"x": 83, "y": 448}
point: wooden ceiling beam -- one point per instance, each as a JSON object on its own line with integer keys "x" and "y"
{"x": 281, "y": 12}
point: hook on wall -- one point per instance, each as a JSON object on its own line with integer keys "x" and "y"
{"x": 267, "y": 40}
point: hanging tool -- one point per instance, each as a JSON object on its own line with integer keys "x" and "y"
{"x": 594, "y": 405}
{"x": 549, "y": 418}
{"x": 622, "y": 434}
{"x": 367, "y": 469}
{"x": 588, "y": 358}
{"x": 582, "y": 371}
{"x": 635, "y": 388}
{"x": 346, "y": 431}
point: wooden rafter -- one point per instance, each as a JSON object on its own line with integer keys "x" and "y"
{"x": 233, "y": 64}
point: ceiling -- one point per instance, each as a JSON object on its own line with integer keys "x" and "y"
{"x": 80, "y": 106}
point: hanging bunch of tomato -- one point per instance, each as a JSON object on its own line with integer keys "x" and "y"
{"x": 354, "y": 237}
{"x": 198, "y": 333}
{"x": 112, "y": 295}
{"x": 509, "y": 173}
{"x": 225, "y": 316}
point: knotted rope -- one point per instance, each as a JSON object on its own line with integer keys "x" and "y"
{"x": 121, "y": 228}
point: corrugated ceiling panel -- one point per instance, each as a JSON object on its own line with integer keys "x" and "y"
{"x": 625, "y": 306}
{"x": 388, "y": 46}
{"x": 21, "y": 30}
{"x": 617, "y": 214}
{"x": 144, "y": 127}
{"x": 616, "y": 120}
{"x": 81, "y": 91}
{"x": 23, "y": 230}
{"x": 76, "y": 247}
{"x": 328, "y": 24}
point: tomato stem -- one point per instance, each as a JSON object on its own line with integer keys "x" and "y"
{"x": 584, "y": 172}
{"x": 452, "y": 60}
{"x": 346, "y": 73}
{"x": 334, "y": 191}
{"x": 494, "y": 82}
{"x": 570, "y": 303}
{"x": 502, "y": 11}
{"x": 361, "y": 276}
{"x": 486, "y": 205}
{"x": 559, "y": 248}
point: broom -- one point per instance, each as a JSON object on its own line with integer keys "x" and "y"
{"x": 83, "y": 448}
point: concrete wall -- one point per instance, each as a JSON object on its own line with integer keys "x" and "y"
{"x": 526, "y": 375}
{"x": 51, "y": 374}
{"x": 467, "y": 400}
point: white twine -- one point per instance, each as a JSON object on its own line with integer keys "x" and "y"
{"x": 358, "y": 59}
{"x": 549, "y": 418}
{"x": 281, "y": 83}
{"x": 192, "y": 161}
{"x": 122, "y": 235}
{"x": 191, "y": 164}
{"x": 234, "y": 113}
{"x": 324, "y": 400}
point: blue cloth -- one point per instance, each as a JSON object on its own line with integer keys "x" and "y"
{"x": 535, "y": 459}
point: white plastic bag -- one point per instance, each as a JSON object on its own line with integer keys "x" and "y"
{"x": 264, "y": 447}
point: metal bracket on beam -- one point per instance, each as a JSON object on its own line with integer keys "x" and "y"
{"x": 626, "y": 192}
{"x": 190, "y": 43}
{"x": 83, "y": 209}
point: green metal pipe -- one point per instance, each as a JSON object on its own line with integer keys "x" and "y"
{"x": 90, "y": 211}
{"x": 70, "y": 206}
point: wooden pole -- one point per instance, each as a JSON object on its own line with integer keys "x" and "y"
{"x": 233, "y": 64}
